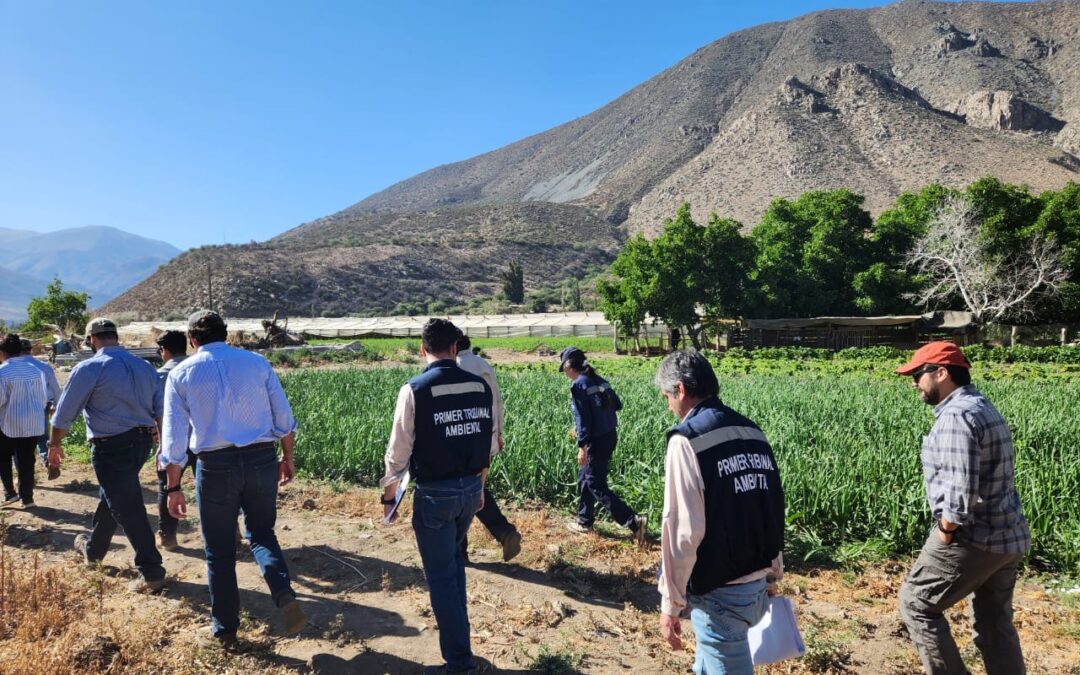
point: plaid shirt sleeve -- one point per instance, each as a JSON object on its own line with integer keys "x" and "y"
{"x": 951, "y": 461}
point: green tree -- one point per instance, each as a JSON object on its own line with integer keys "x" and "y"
{"x": 686, "y": 269}
{"x": 625, "y": 298}
{"x": 513, "y": 283}
{"x": 886, "y": 286}
{"x": 66, "y": 309}
{"x": 809, "y": 251}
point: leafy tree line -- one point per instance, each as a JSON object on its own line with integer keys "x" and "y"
{"x": 995, "y": 249}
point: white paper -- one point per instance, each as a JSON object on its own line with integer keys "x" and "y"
{"x": 403, "y": 485}
{"x": 776, "y": 637}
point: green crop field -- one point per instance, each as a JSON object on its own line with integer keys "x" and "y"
{"x": 846, "y": 434}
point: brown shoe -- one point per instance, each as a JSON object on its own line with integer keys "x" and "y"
{"x": 54, "y": 472}
{"x": 294, "y": 616}
{"x": 638, "y": 528}
{"x": 511, "y": 546}
{"x": 167, "y": 542}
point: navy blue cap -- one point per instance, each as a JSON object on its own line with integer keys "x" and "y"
{"x": 571, "y": 356}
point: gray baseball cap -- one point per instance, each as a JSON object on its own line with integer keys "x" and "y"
{"x": 100, "y": 325}
{"x": 203, "y": 319}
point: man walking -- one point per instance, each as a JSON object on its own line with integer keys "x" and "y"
{"x": 979, "y": 535}
{"x": 22, "y": 398}
{"x": 232, "y": 403}
{"x": 490, "y": 515}
{"x": 722, "y": 535}
{"x": 443, "y": 434}
{"x": 52, "y": 390}
{"x": 119, "y": 396}
{"x": 172, "y": 346}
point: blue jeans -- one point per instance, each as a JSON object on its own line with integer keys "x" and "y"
{"x": 442, "y": 513}
{"x": 721, "y": 619}
{"x": 226, "y": 481}
{"x": 117, "y": 462}
{"x": 593, "y": 484}
{"x": 43, "y": 442}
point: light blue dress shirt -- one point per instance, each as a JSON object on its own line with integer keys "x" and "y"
{"x": 52, "y": 387}
{"x": 117, "y": 390}
{"x": 227, "y": 397}
{"x": 22, "y": 399}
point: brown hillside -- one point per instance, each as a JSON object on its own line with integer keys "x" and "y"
{"x": 879, "y": 101}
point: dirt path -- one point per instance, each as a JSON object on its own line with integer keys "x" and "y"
{"x": 567, "y": 604}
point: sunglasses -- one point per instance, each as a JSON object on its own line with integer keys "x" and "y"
{"x": 922, "y": 371}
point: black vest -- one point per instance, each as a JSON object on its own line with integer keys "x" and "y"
{"x": 744, "y": 500}
{"x": 453, "y": 423}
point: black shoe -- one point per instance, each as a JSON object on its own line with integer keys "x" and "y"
{"x": 9, "y": 498}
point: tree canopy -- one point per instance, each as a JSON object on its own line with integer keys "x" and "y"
{"x": 823, "y": 254}
{"x": 66, "y": 309}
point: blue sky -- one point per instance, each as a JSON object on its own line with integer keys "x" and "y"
{"x": 206, "y": 122}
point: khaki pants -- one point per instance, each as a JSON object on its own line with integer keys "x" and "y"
{"x": 945, "y": 574}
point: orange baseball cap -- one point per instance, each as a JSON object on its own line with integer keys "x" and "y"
{"x": 934, "y": 353}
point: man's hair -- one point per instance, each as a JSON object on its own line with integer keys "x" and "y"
{"x": 959, "y": 375}
{"x": 691, "y": 369}
{"x": 439, "y": 335}
{"x": 173, "y": 340}
{"x": 104, "y": 335}
{"x": 464, "y": 344}
{"x": 27, "y": 346}
{"x": 205, "y": 327}
{"x": 12, "y": 345}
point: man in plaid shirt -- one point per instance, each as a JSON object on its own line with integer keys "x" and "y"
{"x": 979, "y": 535}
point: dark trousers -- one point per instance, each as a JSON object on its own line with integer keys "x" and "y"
{"x": 442, "y": 513}
{"x": 593, "y": 484}
{"x": 227, "y": 481}
{"x": 945, "y": 574}
{"x": 117, "y": 462}
{"x": 21, "y": 451}
{"x": 166, "y": 523}
{"x": 493, "y": 519}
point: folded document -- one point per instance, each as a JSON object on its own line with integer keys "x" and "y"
{"x": 776, "y": 637}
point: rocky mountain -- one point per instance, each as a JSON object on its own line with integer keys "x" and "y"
{"x": 879, "y": 101}
{"x": 101, "y": 261}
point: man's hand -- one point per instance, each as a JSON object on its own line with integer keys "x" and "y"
{"x": 56, "y": 455}
{"x": 772, "y": 586}
{"x": 386, "y": 509}
{"x": 583, "y": 455}
{"x": 177, "y": 505}
{"x": 946, "y": 530}
{"x": 671, "y": 629}
{"x": 286, "y": 471}
{"x": 480, "y": 506}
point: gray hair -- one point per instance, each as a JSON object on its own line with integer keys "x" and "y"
{"x": 691, "y": 369}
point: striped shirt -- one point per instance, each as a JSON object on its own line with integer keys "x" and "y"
{"x": 22, "y": 399}
{"x": 226, "y": 397}
{"x": 117, "y": 390}
{"x": 967, "y": 460}
{"x": 52, "y": 387}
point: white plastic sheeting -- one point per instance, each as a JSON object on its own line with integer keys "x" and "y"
{"x": 573, "y": 324}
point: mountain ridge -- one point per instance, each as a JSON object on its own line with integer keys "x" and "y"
{"x": 878, "y": 101}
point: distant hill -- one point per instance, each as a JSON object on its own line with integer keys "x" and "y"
{"x": 102, "y": 261}
{"x": 879, "y": 101}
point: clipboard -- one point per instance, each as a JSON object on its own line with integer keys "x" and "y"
{"x": 403, "y": 487}
{"x": 776, "y": 637}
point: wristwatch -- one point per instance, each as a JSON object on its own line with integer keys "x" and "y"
{"x": 175, "y": 488}
{"x": 387, "y": 502}
{"x": 953, "y": 531}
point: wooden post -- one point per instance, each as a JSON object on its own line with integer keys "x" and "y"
{"x": 615, "y": 336}
{"x": 1064, "y": 335}
{"x": 1012, "y": 335}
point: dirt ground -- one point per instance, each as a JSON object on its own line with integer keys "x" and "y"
{"x": 568, "y": 604}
